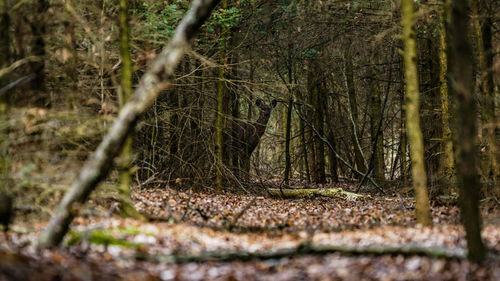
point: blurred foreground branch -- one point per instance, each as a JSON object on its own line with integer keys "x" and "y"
{"x": 307, "y": 249}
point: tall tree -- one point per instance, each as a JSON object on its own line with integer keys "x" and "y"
{"x": 38, "y": 30}
{"x": 448, "y": 159}
{"x": 315, "y": 86}
{"x": 483, "y": 23}
{"x": 460, "y": 75}
{"x": 221, "y": 93}
{"x": 4, "y": 51}
{"x": 359, "y": 158}
{"x": 403, "y": 137}
{"x": 376, "y": 116}
{"x": 415, "y": 138}
{"x": 125, "y": 163}
{"x": 288, "y": 130}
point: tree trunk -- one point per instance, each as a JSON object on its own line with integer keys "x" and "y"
{"x": 38, "y": 29}
{"x": 5, "y": 55}
{"x": 413, "y": 117}
{"x": 448, "y": 160}
{"x": 303, "y": 141}
{"x": 288, "y": 162}
{"x": 236, "y": 145}
{"x": 219, "y": 122}
{"x": 483, "y": 21}
{"x": 332, "y": 159}
{"x": 431, "y": 115}
{"x": 461, "y": 83}
{"x": 359, "y": 158}
{"x": 288, "y": 128}
{"x": 125, "y": 162}
{"x": 376, "y": 116}
{"x": 316, "y": 92}
{"x": 157, "y": 78}
{"x": 219, "y": 128}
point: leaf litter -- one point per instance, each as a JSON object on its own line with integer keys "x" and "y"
{"x": 109, "y": 247}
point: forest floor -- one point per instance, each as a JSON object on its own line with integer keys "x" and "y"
{"x": 103, "y": 246}
{"x": 232, "y": 236}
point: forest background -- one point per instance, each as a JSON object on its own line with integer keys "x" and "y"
{"x": 335, "y": 68}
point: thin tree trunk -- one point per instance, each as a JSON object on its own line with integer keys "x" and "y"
{"x": 5, "y": 58}
{"x": 403, "y": 136}
{"x": 219, "y": 122}
{"x": 332, "y": 159}
{"x": 5, "y": 55}
{"x": 235, "y": 143}
{"x": 303, "y": 142}
{"x": 235, "y": 113}
{"x": 448, "y": 160}
{"x": 70, "y": 66}
{"x": 316, "y": 92}
{"x": 38, "y": 29}
{"x": 311, "y": 89}
{"x": 359, "y": 158}
{"x": 413, "y": 117}
{"x": 288, "y": 128}
{"x": 431, "y": 118}
{"x": 376, "y": 116}
{"x": 287, "y": 139}
{"x": 483, "y": 22}
{"x": 156, "y": 79}
{"x": 125, "y": 163}
{"x": 461, "y": 83}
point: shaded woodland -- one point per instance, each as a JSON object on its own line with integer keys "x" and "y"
{"x": 249, "y": 140}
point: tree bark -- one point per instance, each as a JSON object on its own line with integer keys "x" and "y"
{"x": 332, "y": 159}
{"x": 461, "y": 83}
{"x": 483, "y": 22}
{"x": 376, "y": 116}
{"x": 431, "y": 114}
{"x": 448, "y": 160}
{"x": 38, "y": 29}
{"x": 303, "y": 142}
{"x": 359, "y": 158}
{"x": 5, "y": 56}
{"x": 158, "y": 77}
{"x": 288, "y": 162}
{"x": 403, "y": 136}
{"x": 413, "y": 117}
{"x": 221, "y": 109}
{"x": 125, "y": 161}
{"x": 317, "y": 150}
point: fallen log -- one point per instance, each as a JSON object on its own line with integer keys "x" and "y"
{"x": 306, "y": 249}
{"x": 314, "y": 192}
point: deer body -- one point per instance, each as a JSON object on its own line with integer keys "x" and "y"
{"x": 249, "y": 135}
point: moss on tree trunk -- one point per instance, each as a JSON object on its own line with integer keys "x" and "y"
{"x": 415, "y": 137}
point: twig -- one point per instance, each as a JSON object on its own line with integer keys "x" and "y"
{"x": 19, "y": 81}
{"x": 241, "y": 213}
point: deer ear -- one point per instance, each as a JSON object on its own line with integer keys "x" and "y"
{"x": 258, "y": 102}
{"x": 273, "y": 103}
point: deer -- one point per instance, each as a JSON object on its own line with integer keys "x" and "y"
{"x": 249, "y": 134}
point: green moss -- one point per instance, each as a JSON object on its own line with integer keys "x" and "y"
{"x": 103, "y": 237}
